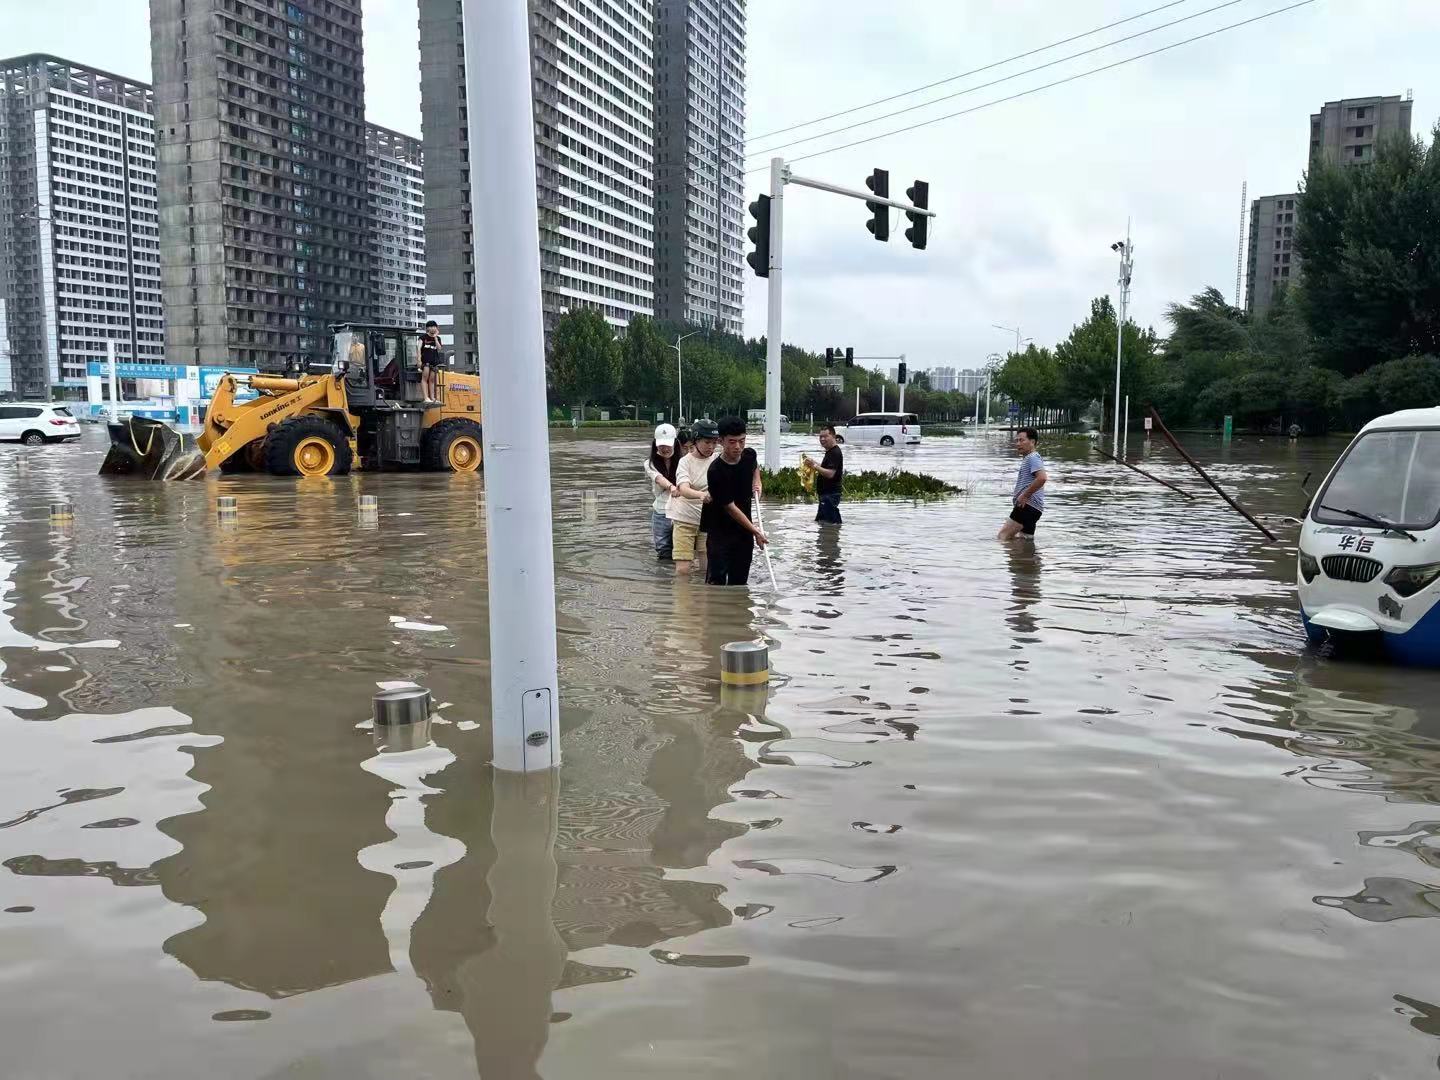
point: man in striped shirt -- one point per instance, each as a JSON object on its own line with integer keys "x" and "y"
{"x": 1029, "y": 488}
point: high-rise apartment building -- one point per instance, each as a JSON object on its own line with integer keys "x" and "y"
{"x": 594, "y": 154}
{"x": 259, "y": 110}
{"x": 396, "y": 199}
{"x": 1274, "y": 262}
{"x": 79, "y": 247}
{"x": 1346, "y": 132}
{"x": 700, "y": 170}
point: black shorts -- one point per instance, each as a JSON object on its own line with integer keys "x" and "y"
{"x": 1027, "y": 517}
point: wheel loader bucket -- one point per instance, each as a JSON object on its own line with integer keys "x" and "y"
{"x": 143, "y": 447}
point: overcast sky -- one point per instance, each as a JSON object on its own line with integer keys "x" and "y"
{"x": 1030, "y": 193}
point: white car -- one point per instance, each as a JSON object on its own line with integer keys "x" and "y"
{"x": 883, "y": 429}
{"x": 36, "y": 423}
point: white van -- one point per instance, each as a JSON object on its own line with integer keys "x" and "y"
{"x": 36, "y": 423}
{"x": 883, "y": 429}
{"x": 1370, "y": 543}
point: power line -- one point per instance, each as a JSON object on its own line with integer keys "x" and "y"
{"x": 1002, "y": 79}
{"x": 967, "y": 74}
{"x": 739, "y": 143}
{"x": 1046, "y": 86}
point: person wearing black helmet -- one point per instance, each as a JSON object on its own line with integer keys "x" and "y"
{"x": 688, "y": 504}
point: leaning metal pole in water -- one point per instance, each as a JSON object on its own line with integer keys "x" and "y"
{"x": 1206, "y": 477}
{"x": 524, "y": 691}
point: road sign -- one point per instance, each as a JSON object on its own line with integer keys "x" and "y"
{"x": 833, "y": 382}
{"x": 1148, "y": 423}
{"x": 1014, "y": 410}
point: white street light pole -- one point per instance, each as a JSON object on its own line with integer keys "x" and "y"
{"x": 114, "y": 381}
{"x": 679, "y": 376}
{"x": 1127, "y": 265}
{"x": 524, "y": 682}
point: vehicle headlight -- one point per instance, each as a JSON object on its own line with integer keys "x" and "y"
{"x": 1309, "y": 567}
{"x": 1409, "y": 580}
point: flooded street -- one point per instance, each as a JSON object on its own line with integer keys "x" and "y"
{"x": 1082, "y": 809}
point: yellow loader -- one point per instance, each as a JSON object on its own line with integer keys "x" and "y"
{"x": 366, "y": 410}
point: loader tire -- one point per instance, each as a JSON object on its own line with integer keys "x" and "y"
{"x": 307, "y": 446}
{"x": 453, "y": 445}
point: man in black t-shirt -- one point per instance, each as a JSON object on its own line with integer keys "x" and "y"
{"x": 734, "y": 485}
{"x": 829, "y": 477}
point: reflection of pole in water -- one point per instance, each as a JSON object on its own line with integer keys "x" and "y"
{"x": 508, "y": 988}
{"x": 416, "y": 854}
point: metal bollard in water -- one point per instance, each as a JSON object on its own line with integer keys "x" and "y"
{"x": 745, "y": 663}
{"x": 61, "y": 510}
{"x": 402, "y": 718}
{"x": 589, "y": 507}
{"x": 369, "y": 502}
{"x": 226, "y": 503}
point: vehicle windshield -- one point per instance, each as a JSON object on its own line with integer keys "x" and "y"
{"x": 1391, "y": 475}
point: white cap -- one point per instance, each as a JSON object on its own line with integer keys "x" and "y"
{"x": 665, "y": 435}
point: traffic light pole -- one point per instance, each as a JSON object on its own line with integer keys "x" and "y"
{"x": 772, "y": 318}
{"x": 780, "y": 175}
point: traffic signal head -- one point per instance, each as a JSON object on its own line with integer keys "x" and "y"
{"x": 849, "y": 357}
{"x": 901, "y": 373}
{"x": 759, "y": 234}
{"x": 829, "y": 357}
{"x": 919, "y": 231}
{"x": 879, "y": 224}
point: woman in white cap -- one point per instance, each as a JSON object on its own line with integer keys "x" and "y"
{"x": 660, "y": 469}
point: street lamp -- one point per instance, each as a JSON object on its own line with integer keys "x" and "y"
{"x": 679, "y": 376}
{"x": 1126, "y": 250}
{"x": 991, "y": 363}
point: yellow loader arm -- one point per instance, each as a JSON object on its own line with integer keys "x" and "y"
{"x": 230, "y": 427}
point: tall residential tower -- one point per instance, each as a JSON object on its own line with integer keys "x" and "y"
{"x": 396, "y": 201}
{"x": 79, "y": 249}
{"x": 594, "y": 150}
{"x": 700, "y": 169}
{"x": 1343, "y": 133}
{"x": 259, "y": 109}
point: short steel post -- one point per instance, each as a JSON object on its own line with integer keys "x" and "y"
{"x": 402, "y": 718}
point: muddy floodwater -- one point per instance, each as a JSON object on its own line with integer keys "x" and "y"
{"x": 1086, "y": 809}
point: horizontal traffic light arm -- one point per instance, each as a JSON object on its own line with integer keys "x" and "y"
{"x": 863, "y": 196}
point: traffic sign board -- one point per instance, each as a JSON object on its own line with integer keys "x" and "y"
{"x": 834, "y": 382}
{"x": 1014, "y": 410}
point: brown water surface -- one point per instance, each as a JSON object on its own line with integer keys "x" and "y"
{"x": 1086, "y": 809}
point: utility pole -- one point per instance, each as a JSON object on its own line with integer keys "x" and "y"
{"x": 780, "y": 175}
{"x": 1127, "y": 264}
{"x": 524, "y": 681}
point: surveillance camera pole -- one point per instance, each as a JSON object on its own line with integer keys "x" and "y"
{"x": 1127, "y": 263}
{"x": 524, "y": 690}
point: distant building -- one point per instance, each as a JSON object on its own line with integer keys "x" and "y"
{"x": 700, "y": 171}
{"x": 396, "y": 201}
{"x": 594, "y": 82}
{"x": 970, "y": 381}
{"x": 79, "y": 246}
{"x": 260, "y": 129}
{"x": 1346, "y": 132}
{"x": 942, "y": 378}
{"x": 1274, "y": 263}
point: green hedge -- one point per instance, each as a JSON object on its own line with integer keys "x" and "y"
{"x": 894, "y": 484}
{"x": 638, "y": 424}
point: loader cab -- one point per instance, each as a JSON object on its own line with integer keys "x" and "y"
{"x": 379, "y": 363}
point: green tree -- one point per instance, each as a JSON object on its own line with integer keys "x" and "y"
{"x": 1087, "y": 359}
{"x": 1369, "y": 239}
{"x": 1031, "y": 378}
{"x": 647, "y": 375}
{"x": 585, "y": 359}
